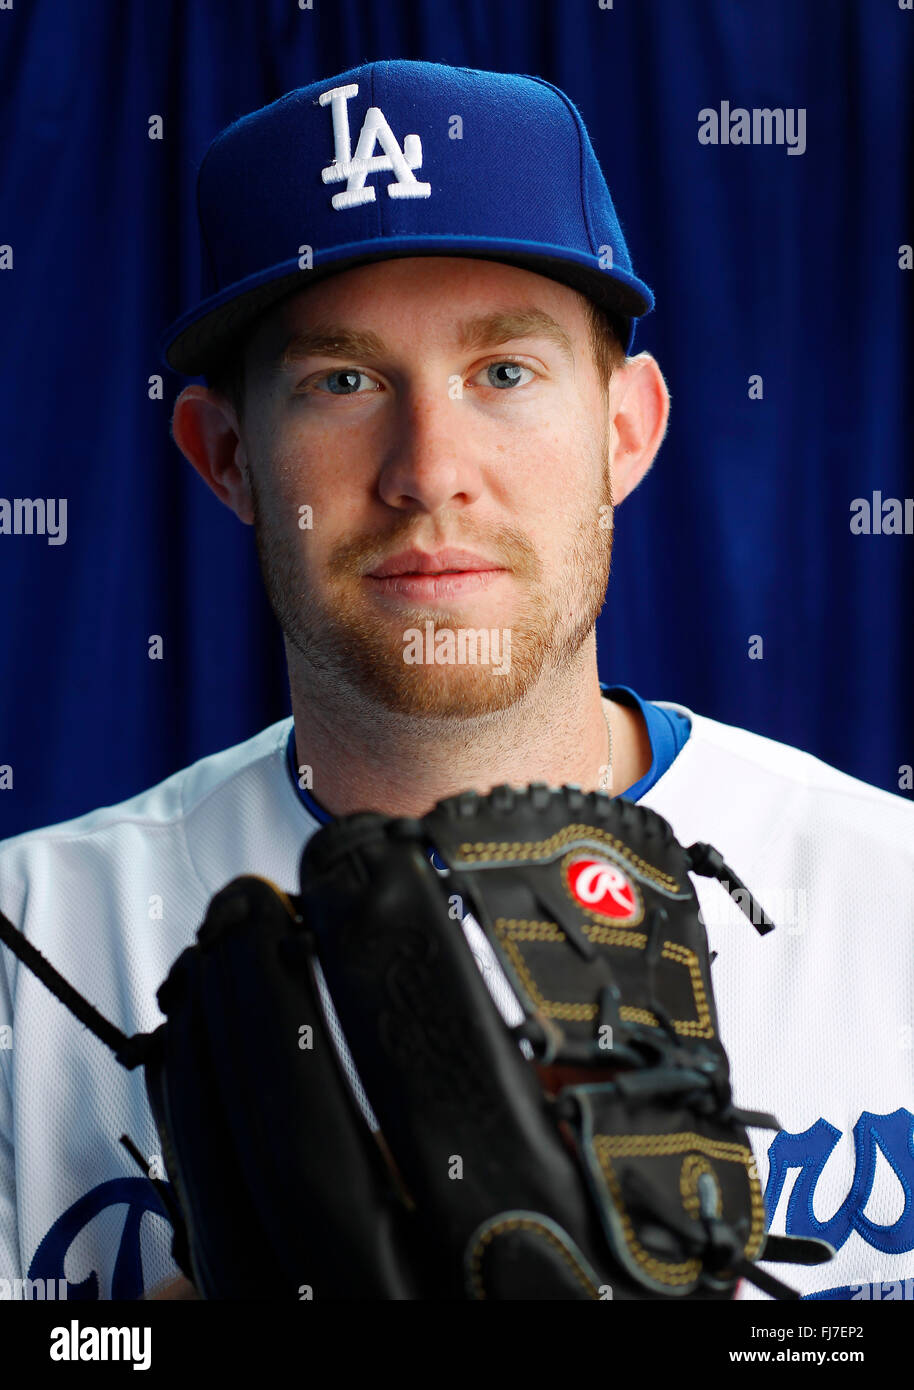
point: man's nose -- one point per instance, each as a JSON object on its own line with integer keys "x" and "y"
{"x": 431, "y": 456}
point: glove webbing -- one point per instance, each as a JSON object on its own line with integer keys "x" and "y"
{"x": 707, "y": 861}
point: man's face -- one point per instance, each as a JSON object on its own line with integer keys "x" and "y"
{"x": 430, "y": 404}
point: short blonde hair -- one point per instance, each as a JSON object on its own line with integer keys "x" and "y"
{"x": 606, "y": 342}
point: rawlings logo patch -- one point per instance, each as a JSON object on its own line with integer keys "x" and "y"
{"x": 602, "y": 887}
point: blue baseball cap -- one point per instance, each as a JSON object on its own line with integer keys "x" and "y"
{"x": 395, "y": 159}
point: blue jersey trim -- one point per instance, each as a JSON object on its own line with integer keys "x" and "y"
{"x": 667, "y": 730}
{"x": 313, "y": 807}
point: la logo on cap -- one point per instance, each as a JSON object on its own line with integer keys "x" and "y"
{"x": 354, "y": 168}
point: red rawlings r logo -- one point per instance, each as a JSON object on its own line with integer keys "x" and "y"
{"x": 601, "y": 887}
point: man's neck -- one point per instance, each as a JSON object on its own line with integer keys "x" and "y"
{"x": 364, "y": 757}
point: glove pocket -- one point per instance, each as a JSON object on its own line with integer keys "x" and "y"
{"x": 677, "y": 1191}
{"x": 285, "y": 1192}
{"x": 493, "y": 1182}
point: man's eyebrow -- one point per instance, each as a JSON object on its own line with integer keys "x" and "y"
{"x": 503, "y": 326}
{"x": 485, "y": 330}
{"x": 343, "y": 343}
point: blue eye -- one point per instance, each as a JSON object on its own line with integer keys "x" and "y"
{"x": 506, "y": 374}
{"x": 344, "y": 382}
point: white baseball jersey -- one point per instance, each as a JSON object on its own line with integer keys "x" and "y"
{"x": 816, "y": 1017}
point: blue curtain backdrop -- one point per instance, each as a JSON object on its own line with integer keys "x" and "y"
{"x": 762, "y": 263}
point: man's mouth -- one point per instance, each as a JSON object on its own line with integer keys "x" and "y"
{"x": 446, "y": 574}
{"x": 441, "y": 562}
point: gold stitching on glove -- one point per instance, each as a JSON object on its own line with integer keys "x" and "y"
{"x": 702, "y": 1027}
{"x": 516, "y": 1223}
{"x": 511, "y": 930}
{"x": 609, "y": 1146}
{"x": 695, "y": 1166}
{"x": 474, "y": 852}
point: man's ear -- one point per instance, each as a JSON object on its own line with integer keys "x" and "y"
{"x": 206, "y": 430}
{"x": 639, "y": 407}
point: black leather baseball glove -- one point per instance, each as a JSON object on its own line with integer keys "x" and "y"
{"x": 577, "y": 1140}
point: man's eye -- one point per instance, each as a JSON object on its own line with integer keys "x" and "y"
{"x": 344, "y": 382}
{"x": 504, "y": 375}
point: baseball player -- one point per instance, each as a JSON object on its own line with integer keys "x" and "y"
{"x": 417, "y": 336}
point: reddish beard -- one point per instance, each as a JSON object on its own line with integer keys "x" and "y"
{"x": 340, "y": 634}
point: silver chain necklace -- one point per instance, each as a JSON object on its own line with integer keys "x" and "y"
{"x": 606, "y": 778}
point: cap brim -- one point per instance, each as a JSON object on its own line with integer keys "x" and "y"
{"x": 200, "y": 341}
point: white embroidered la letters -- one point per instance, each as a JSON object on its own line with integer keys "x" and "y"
{"x": 354, "y": 168}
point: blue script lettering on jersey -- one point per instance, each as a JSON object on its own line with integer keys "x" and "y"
{"x": 894, "y": 1289}
{"x": 139, "y": 1196}
{"x": 891, "y": 1134}
{"x": 809, "y": 1151}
